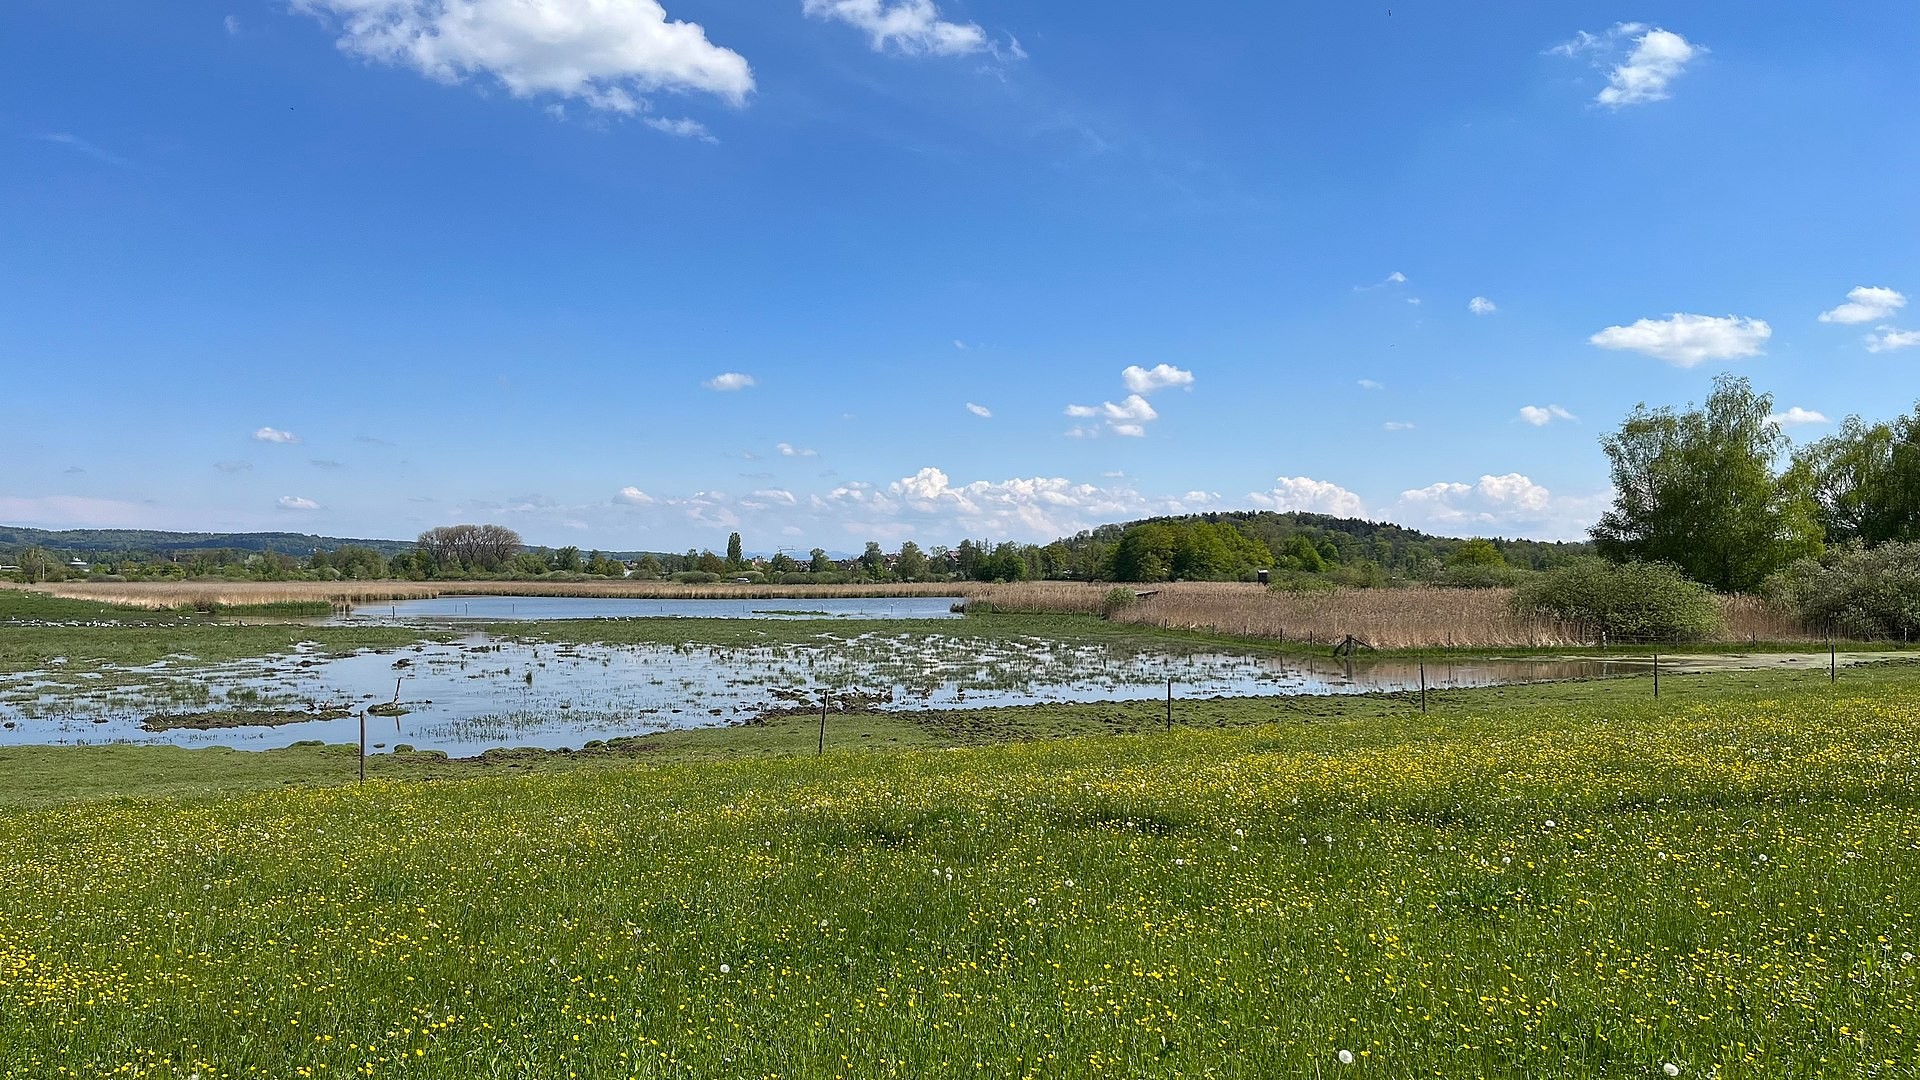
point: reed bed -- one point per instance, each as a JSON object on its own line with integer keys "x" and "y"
{"x": 208, "y": 595}
{"x": 1412, "y": 617}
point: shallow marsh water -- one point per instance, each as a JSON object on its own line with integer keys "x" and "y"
{"x": 482, "y": 608}
{"x": 480, "y": 691}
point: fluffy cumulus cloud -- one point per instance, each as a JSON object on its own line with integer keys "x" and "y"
{"x": 632, "y": 496}
{"x": 1797, "y": 417}
{"x": 1509, "y": 505}
{"x": 1480, "y": 305}
{"x": 1128, "y": 417}
{"x": 275, "y": 435}
{"x": 979, "y": 410}
{"x": 909, "y": 27}
{"x": 295, "y": 502}
{"x": 729, "y": 381}
{"x": 1542, "y": 415}
{"x": 1641, "y": 61}
{"x": 929, "y": 504}
{"x": 1158, "y": 377}
{"x": 1131, "y": 416}
{"x": 1887, "y": 339}
{"x": 1687, "y": 340}
{"x": 1866, "y": 303}
{"x": 1305, "y": 494}
{"x": 606, "y": 55}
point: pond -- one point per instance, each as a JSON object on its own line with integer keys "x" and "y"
{"x": 486, "y": 691}
{"x": 482, "y": 608}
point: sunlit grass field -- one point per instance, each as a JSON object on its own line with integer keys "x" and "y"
{"x": 1537, "y": 882}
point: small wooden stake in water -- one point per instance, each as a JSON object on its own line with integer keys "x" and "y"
{"x": 1423, "y": 686}
{"x": 823, "y": 727}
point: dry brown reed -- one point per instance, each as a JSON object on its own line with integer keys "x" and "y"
{"x": 1416, "y": 617}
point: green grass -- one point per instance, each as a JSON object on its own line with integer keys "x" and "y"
{"x": 23, "y": 605}
{"x": 1569, "y": 881}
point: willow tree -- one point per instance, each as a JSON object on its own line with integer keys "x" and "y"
{"x": 1700, "y": 489}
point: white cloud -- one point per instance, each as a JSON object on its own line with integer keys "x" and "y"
{"x": 1037, "y": 508}
{"x": 910, "y": 27}
{"x": 1797, "y": 416}
{"x": 684, "y": 128}
{"x": 1509, "y": 505}
{"x": 1480, "y": 305}
{"x": 1642, "y": 76}
{"x": 1865, "y": 303}
{"x": 790, "y": 450}
{"x": 1396, "y": 278}
{"x": 232, "y": 23}
{"x": 633, "y": 496}
{"x": 1888, "y": 339}
{"x": 275, "y": 435}
{"x": 604, "y": 54}
{"x": 1369, "y": 384}
{"x": 730, "y": 381}
{"x": 1311, "y": 496}
{"x": 1542, "y": 415}
{"x": 1146, "y": 380}
{"x": 778, "y": 495}
{"x": 979, "y": 410}
{"x": 1127, "y": 418}
{"x": 295, "y": 502}
{"x": 1686, "y": 340}
{"x": 1397, "y": 425}
{"x": 82, "y": 146}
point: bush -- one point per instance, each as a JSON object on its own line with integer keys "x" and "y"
{"x": 1856, "y": 592}
{"x": 695, "y": 577}
{"x": 1116, "y": 601}
{"x": 1632, "y": 601}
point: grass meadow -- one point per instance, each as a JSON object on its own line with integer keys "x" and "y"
{"x": 1568, "y": 881}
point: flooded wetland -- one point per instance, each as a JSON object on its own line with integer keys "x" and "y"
{"x": 565, "y": 674}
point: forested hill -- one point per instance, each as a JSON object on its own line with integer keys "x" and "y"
{"x": 1338, "y": 540}
{"x": 89, "y": 543}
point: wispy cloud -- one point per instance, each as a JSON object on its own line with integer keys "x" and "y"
{"x": 1397, "y": 425}
{"x": 1480, "y": 305}
{"x": 231, "y": 467}
{"x": 1370, "y": 384}
{"x": 790, "y": 450}
{"x": 81, "y": 146}
{"x": 1887, "y": 339}
{"x": 295, "y": 502}
{"x": 907, "y": 27}
{"x": 1656, "y": 58}
{"x": 275, "y": 435}
{"x": 979, "y": 410}
{"x": 1542, "y": 415}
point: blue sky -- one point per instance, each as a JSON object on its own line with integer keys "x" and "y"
{"x": 827, "y": 271}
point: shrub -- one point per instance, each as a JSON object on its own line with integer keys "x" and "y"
{"x": 1116, "y": 601}
{"x": 1632, "y": 601}
{"x": 1856, "y": 591}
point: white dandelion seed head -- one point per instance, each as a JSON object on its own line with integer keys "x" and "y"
{"x": 726, "y": 969}
{"x": 1549, "y": 823}
{"x": 1033, "y": 901}
{"x": 1906, "y": 958}
{"x": 1670, "y": 1069}
{"x": 1345, "y": 1056}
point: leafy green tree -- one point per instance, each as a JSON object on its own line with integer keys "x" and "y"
{"x": 709, "y": 563}
{"x": 736, "y": 557}
{"x": 874, "y": 561}
{"x": 567, "y": 560}
{"x": 38, "y": 564}
{"x": 1698, "y": 489}
{"x": 817, "y": 561}
{"x": 782, "y": 563}
{"x": 1865, "y": 480}
{"x": 1478, "y": 552}
{"x": 1145, "y": 553}
{"x": 1299, "y": 553}
{"x": 650, "y": 567}
{"x": 912, "y": 565}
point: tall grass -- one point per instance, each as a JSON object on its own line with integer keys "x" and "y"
{"x": 1414, "y": 617}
